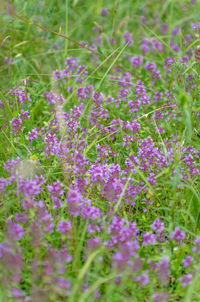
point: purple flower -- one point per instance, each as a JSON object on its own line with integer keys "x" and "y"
{"x": 32, "y": 134}
{"x": 120, "y": 259}
{"x": 63, "y": 283}
{"x": 185, "y": 280}
{"x": 164, "y": 28}
{"x": 1, "y": 104}
{"x": 30, "y": 187}
{"x": 16, "y": 123}
{"x": 143, "y": 19}
{"x": 197, "y": 241}
{"x": 64, "y": 226}
{"x": 11, "y": 165}
{"x": 24, "y": 115}
{"x": 175, "y": 47}
{"x": 184, "y": 59}
{"x": 195, "y": 26}
{"x": 127, "y": 38}
{"x": 104, "y": 12}
{"x": 136, "y": 61}
{"x": 74, "y": 201}
{"x": 187, "y": 261}
{"x": 178, "y": 235}
{"x": 21, "y": 217}
{"x": 85, "y": 287}
{"x": 175, "y": 31}
{"x": 157, "y": 226}
{"x": 160, "y": 297}
{"x": 112, "y": 41}
{"x": 93, "y": 243}
{"x": 150, "y": 66}
{"x": 158, "y": 45}
{"x": 15, "y": 230}
{"x": 21, "y": 95}
{"x": 148, "y": 238}
{"x": 3, "y": 183}
{"x": 143, "y": 279}
{"x": 163, "y": 270}
{"x": 55, "y": 189}
{"x": 18, "y": 294}
{"x": 53, "y": 98}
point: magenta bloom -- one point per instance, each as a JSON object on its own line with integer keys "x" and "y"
{"x": 164, "y": 28}
{"x": 157, "y": 226}
{"x": 195, "y": 26}
{"x": 148, "y": 238}
{"x": 178, "y": 235}
{"x": 104, "y": 12}
{"x": 127, "y": 38}
{"x": 16, "y": 123}
{"x": 64, "y": 226}
{"x": 197, "y": 241}
{"x": 143, "y": 279}
{"x": 175, "y": 31}
{"x": 160, "y": 297}
{"x": 187, "y": 261}
{"x": 185, "y": 280}
{"x": 15, "y": 230}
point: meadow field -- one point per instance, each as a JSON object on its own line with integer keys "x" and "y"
{"x": 100, "y": 151}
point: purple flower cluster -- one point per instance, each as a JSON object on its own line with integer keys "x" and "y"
{"x": 97, "y": 190}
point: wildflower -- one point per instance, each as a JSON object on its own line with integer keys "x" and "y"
{"x": 143, "y": 19}
{"x": 16, "y": 123}
{"x": 136, "y": 61}
{"x": 55, "y": 189}
{"x": 196, "y": 248}
{"x": 30, "y": 187}
{"x": 93, "y": 243}
{"x": 21, "y": 95}
{"x": 1, "y": 104}
{"x": 33, "y": 134}
{"x": 195, "y": 26}
{"x": 74, "y": 201}
{"x": 24, "y": 115}
{"x": 18, "y": 294}
{"x": 163, "y": 270}
{"x": 63, "y": 283}
{"x": 197, "y": 241}
{"x": 160, "y": 297}
{"x": 148, "y": 238}
{"x": 143, "y": 279}
{"x": 175, "y": 31}
{"x": 157, "y": 226}
{"x": 184, "y": 59}
{"x": 85, "y": 287}
{"x": 3, "y": 183}
{"x": 187, "y": 261}
{"x": 164, "y": 28}
{"x": 177, "y": 235}
{"x": 185, "y": 280}
{"x": 127, "y": 38}
{"x": 175, "y": 47}
{"x": 104, "y": 12}
{"x": 64, "y": 226}
{"x": 15, "y": 230}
